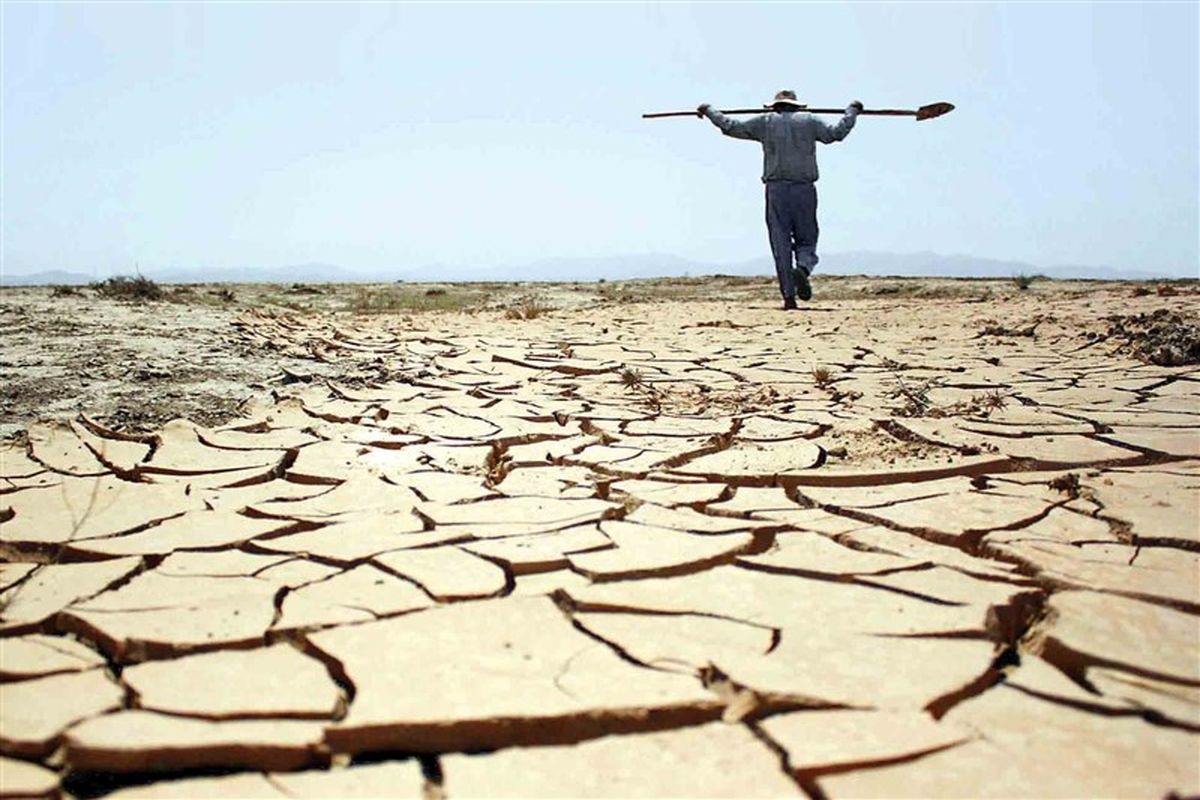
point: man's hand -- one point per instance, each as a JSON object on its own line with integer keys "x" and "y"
{"x": 702, "y": 109}
{"x": 857, "y": 106}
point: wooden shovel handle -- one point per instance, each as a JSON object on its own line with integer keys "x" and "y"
{"x": 924, "y": 112}
{"x": 661, "y": 114}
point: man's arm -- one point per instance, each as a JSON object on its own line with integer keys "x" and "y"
{"x": 829, "y": 134}
{"x": 749, "y": 129}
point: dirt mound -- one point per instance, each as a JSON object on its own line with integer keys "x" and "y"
{"x": 1161, "y": 337}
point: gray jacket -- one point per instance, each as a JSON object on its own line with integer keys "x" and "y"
{"x": 788, "y": 140}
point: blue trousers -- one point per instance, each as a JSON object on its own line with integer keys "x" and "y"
{"x": 792, "y": 227}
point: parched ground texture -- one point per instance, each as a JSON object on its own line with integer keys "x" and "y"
{"x": 919, "y": 539}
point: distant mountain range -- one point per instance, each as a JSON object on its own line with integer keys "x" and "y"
{"x": 295, "y": 273}
{"x": 614, "y": 268}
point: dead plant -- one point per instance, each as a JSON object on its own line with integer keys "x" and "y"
{"x": 1067, "y": 483}
{"x": 994, "y": 329}
{"x": 916, "y": 398}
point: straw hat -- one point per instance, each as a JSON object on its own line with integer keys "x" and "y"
{"x": 784, "y": 97}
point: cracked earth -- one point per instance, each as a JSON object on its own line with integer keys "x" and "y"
{"x": 889, "y": 546}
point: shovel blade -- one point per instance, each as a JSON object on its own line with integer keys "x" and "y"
{"x": 934, "y": 110}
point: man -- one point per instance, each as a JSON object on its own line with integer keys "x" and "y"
{"x": 788, "y": 138}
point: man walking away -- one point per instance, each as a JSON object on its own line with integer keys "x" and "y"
{"x": 788, "y": 137}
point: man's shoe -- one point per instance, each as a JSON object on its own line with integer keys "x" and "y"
{"x": 803, "y": 286}
{"x": 789, "y": 304}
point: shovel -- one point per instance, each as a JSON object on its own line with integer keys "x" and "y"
{"x": 924, "y": 112}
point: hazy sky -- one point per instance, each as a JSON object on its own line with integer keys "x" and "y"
{"x": 385, "y": 136}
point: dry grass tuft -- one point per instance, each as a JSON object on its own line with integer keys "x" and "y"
{"x": 632, "y": 379}
{"x": 992, "y": 400}
{"x": 980, "y": 405}
{"x": 526, "y": 309}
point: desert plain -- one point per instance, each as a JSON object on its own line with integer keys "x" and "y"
{"x": 922, "y": 538}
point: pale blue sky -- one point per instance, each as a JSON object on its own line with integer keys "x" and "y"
{"x": 384, "y": 137}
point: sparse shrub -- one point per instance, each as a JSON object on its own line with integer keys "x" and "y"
{"x": 121, "y": 287}
{"x": 1023, "y": 281}
{"x": 399, "y": 300}
{"x": 435, "y": 292}
{"x": 526, "y": 309}
{"x": 224, "y": 294}
{"x": 64, "y": 291}
{"x": 822, "y": 376}
{"x": 631, "y": 378}
{"x": 180, "y": 294}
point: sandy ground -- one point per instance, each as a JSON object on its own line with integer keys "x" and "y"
{"x": 921, "y": 538}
